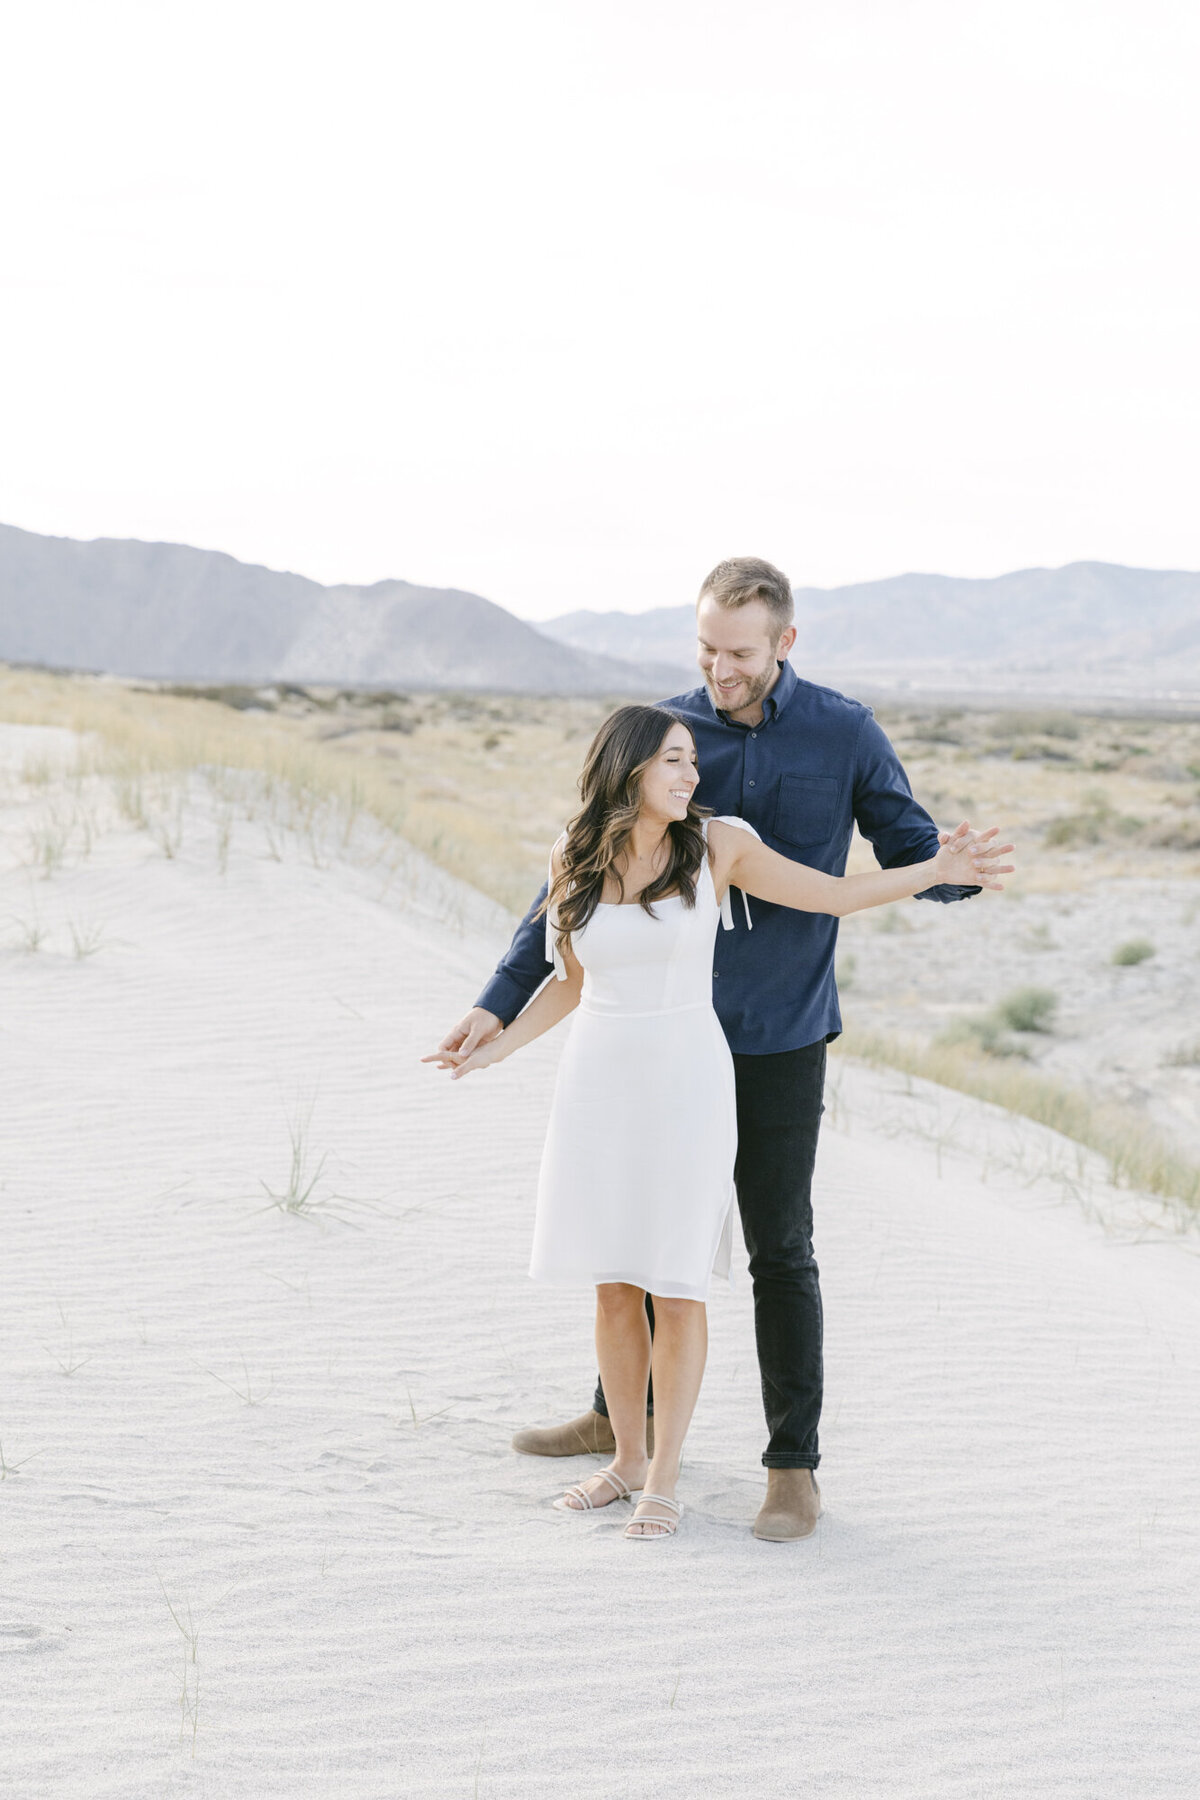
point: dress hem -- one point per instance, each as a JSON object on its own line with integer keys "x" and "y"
{"x": 662, "y": 1290}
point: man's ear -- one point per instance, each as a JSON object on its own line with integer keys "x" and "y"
{"x": 785, "y": 643}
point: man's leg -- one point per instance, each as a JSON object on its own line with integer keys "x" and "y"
{"x": 590, "y": 1434}
{"x": 779, "y": 1116}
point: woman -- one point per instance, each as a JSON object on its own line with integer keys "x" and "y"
{"x": 636, "y": 1187}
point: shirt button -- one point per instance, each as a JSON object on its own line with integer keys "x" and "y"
{"x": 754, "y": 734}
{"x": 749, "y": 784}
{"x": 716, "y": 974}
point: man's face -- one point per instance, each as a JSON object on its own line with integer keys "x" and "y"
{"x": 738, "y": 652}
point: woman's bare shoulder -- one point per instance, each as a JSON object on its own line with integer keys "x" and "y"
{"x": 725, "y": 839}
{"x": 726, "y": 834}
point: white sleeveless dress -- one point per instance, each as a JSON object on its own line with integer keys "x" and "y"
{"x": 636, "y": 1182}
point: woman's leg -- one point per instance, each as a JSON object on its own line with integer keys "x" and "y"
{"x": 600, "y": 1404}
{"x": 680, "y": 1349}
{"x": 623, "y": 1352}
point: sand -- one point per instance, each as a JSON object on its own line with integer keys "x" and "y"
{"x": 293, "y": 1430}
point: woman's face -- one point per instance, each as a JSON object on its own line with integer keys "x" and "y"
{"x": 669, "y": 782}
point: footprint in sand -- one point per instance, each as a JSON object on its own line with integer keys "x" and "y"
{"x": 17, "y": 1638}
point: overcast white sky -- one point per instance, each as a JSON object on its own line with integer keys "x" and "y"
{"x": 563, "y": 303}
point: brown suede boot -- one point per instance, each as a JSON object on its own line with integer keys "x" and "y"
{"x": 589, "y": 1435}
{"x": 791, "y": 1508}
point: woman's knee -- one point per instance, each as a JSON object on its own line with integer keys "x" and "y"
{"x": 619, "y": 1297}
{"x": 677, "y": 1312}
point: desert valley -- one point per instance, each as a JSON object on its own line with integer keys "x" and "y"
{"x": 267, "y": 1330}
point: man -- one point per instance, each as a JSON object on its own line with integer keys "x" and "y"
{"x": 803, "y": 765}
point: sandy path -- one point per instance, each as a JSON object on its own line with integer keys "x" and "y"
{"x": 1000, "y": 1601}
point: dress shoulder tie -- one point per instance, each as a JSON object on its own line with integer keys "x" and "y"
{"x": 726, "y": 902}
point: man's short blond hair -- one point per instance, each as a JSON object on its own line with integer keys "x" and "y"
{"x": 744, "y": 578}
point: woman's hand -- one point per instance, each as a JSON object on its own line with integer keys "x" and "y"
{"x": 968, "y": 858}
{"x": 479, "y": 1027}
{"x": 458, "y": 1064}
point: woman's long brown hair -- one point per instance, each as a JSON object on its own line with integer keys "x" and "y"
{"x": 610, "y": 788}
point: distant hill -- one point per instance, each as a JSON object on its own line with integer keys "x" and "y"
{"x": 1085, "y": 626}
{"x": 124, "y": 607}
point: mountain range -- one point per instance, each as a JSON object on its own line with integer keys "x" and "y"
{"x": 172, "y": 612}
{"x": 1084, "y": 624}
{"x": 119, "y": 606}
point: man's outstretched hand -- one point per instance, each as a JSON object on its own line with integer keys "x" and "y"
{"x": 479, "y": 1027}
{"x": 973, "y": 854}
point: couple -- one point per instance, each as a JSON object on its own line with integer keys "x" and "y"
{"x": 695, "y": 1068}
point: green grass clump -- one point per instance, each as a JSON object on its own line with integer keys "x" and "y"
{"x": 1097, "y": 823}
{"x": 1036, "y": 724}
{"x": 1135, "y": 950}
{"x": 1028, "y": 1009}
{"x": 1024, "y": 1010}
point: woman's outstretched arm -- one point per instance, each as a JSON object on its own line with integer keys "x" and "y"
{"x": 554, "y": 1002}
{"x": 740, "y": 860}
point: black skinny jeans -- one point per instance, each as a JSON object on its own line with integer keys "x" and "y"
{"x": 779, "y": 1116}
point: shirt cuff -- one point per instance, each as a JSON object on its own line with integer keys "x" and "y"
{"x": 503, "y": 997}
{"x": 947, "y": 891}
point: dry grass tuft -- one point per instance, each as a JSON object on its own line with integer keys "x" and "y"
{"x": 1138, "y": 1156}
{"x": 480, "y": 784}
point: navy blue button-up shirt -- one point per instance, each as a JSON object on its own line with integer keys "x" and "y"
{"x": 817, "y": 765}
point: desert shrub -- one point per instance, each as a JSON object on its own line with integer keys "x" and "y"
{"x": 1012, "y": 725}
{"x": 939, "y": 728}
{"x": 1164, "y": 768}
{"x": 981, "y": 1032}
{"x": 1038, "y": 752}
{"x": 1133, "y": 951}
{"x": 230, "y": 693}
{"x": 1076, "y": 828}
{"x": 1184, "y": 1056}
{"x": 1057, "y": 724}
{"x": 1175, "y": 834}
{"x": 1028, "y": 1009}
{"x": 1095, "y": 824}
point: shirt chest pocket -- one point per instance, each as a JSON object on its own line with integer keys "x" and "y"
{"x": 806, "y": 810}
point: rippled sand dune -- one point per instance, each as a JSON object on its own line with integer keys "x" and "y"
{"x": 266, "y": 1333}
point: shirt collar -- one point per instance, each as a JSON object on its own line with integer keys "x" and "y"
{"x": 782, "y": 692}
{"x": 776, "y": 700}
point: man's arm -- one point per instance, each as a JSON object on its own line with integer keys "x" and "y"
{"x": 519, "y": 974}
{"x": 899, "y": 831}
{"x": 521, "y": 970}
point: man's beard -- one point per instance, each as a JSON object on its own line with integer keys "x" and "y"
{"x": 745, "y": 696}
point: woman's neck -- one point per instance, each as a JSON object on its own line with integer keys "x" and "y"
{"x": 645, "y": 840}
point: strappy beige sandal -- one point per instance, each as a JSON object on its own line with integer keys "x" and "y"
{"x": 586, "y": 1503}
{"x": 665, "y": 1527}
